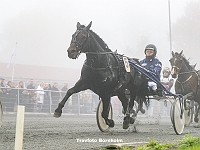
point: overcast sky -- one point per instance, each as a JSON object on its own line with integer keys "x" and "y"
{"x": 43, "y": 28}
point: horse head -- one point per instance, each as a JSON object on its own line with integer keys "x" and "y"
{"x": 79, "y": 41}
{"x": 176, "y": 63}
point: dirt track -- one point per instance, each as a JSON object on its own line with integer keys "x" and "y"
{"x": 43, "y": 132}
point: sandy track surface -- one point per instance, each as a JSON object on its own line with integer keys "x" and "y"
{"x": 44, "y": 132}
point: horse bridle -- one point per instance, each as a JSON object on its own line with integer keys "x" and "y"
{"x": 187, "y": 72}
{"x": 80, "y": 47}
{"x": 177, "y": 67}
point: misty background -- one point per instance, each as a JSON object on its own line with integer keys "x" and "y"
{"x": 43, "y": 28}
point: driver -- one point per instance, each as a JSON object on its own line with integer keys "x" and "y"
{"x": 153, "y": 64}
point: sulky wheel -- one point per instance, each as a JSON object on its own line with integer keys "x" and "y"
{"x": 1, "y": 113}
{"x": 100, "y": 120}
{"x": 177, "y": 119}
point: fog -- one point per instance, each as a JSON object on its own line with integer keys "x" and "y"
{"x": 43, "y": 28}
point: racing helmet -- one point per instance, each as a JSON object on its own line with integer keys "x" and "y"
{"x": 166, "y": 69}
{"x": 151, "y": 47}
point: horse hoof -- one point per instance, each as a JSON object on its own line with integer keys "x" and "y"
{"x": 142, "y": 110}
{"x": 125, "y": 125}
{"x": 126, "y": 122}
{"x": 57, "y": 114}
{"x": 196, "y": 120}
{"x": 132, "y": 120}
{"x": 111, "y": 123}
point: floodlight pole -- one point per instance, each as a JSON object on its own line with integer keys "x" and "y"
{"x": 170, "y": 32}
{"x": 14, "y": 55}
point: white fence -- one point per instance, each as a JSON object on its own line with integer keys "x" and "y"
{"x": 81, "y": 103}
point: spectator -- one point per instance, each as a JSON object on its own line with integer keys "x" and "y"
{"x": 75, "y": 98}
{"x": 13, "y": 90}
{"x": 11, "y": 96}
{"x": 31, "y": 86}
{"x": 40, "y": 95}
{"x": 3, "y": 93}
{"x": 47, "y": 103}
{"x": 23, "y": 95}
{"x": 32, "y": 96}
{"x": 8, "y": 87}
{"x": 64, "y": 89}
{"x": 87, "y": 101}
{"x": 55, "y": 95}
{"x": 2, "y": 86}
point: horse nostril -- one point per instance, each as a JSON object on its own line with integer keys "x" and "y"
{"x": 70, "y": 51}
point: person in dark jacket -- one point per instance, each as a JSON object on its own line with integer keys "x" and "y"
{"x": 153, "y": 64}
{"x": 55, "y": 95}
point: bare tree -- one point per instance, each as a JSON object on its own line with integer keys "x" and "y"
{"x": 186, "y": 31}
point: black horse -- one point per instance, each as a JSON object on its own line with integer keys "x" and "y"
{"x": 187, "y": 82}
{"x": 102, "y": 72}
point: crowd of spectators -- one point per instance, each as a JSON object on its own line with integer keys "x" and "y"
{"x": 43, "y": 97}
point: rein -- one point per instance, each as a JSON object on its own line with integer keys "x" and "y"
{"x": 100, "y": 53}
{"x": 80, "y": 47}
{"x": 182, "y": 73}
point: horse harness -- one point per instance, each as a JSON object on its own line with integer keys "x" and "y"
{"x": 119, "y": 58}
{"x": 189, "y": 72}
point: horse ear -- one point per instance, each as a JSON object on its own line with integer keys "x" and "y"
{"x": 88, "y": 27}
{"x": 194, "y": 66}
{"x": 78, "y": 25}
{"x": 181, "y": 52}
{"x": 172, "y": 53}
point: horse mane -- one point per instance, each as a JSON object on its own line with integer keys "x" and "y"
{"x": 185, "y": 60}
{"x": 100, "y": 41}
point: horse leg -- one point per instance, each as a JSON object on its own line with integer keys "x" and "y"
{"x": 196, "y": 119}
{"x": 106, "y": 108}
{"x": 124, "y": 102}
{"x": 128, "y": 108}
{"x": 79, "y": 86}
{"x": 191, "y": 109}
{"x": 191, "y": 96}
{"x": 140, "y": 101}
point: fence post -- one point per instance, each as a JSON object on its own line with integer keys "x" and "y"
{"x": 19, "y": 128}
